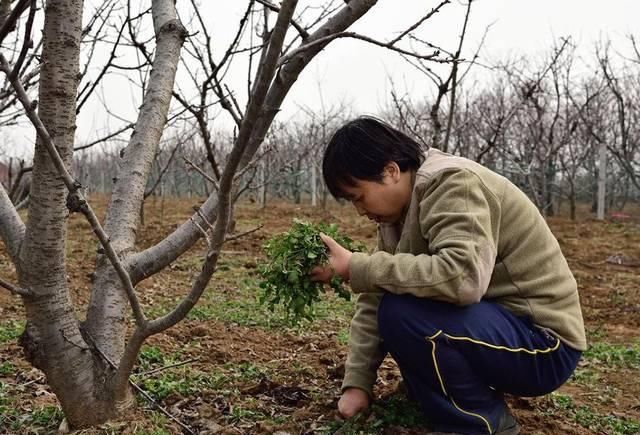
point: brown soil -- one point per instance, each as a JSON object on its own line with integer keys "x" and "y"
{"x": 290, "y": 378}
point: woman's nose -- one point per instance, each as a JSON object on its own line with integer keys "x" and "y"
{"x": 361, "y": 211}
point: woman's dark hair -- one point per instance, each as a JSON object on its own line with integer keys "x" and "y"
{"x": 360, "y": 149}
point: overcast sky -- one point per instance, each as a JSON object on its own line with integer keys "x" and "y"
{"x": 359, "y": 74}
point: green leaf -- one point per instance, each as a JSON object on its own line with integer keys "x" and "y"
{"x": 290, "y": 258}
{"x": 293, "y": 277}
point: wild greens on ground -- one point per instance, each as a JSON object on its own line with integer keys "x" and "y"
{"x": 290, "y": 257}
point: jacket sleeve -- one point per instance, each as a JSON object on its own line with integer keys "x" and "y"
{"x": 365, "y": 351}
{"x": 455, "y": 216}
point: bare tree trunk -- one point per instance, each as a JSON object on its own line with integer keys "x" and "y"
{"x": 550, "y": 171}
{"x": 314, "y": 198}
{"x": 262, "y": 191}
{"x": 602, "y": 180}
{"x": 52, "y": 340}
{"x": 572, "y": 201}
{"x": 108, "y": 299}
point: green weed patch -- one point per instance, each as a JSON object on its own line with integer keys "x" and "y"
{"x": 11, "y": 330}
{"x": 7, "y": 369}
{"x": 589, "y": 419}
{"x": 392, "y": 411}
{"x": 182, "y": 382}
{"x": 614, "y": 355}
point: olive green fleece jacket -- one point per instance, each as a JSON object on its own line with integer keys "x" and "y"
{"x": 468, "y": 234}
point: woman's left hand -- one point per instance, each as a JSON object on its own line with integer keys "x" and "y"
{"x": 339, "y": 259}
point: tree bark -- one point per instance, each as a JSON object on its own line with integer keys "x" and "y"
{"x": 108, "y": 304}
{"x": 52, "y": 340}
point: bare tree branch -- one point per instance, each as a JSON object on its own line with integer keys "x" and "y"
{"x": 155, "y": 258}
{"x": 243, "y": 234}
{"x": 84, "y": 95}
{"x": 201, "y": 172}
{"x": 10, "y": 23}
{"x": 166, "y": 166}
{"x": 636, "y": 50}
{"x": 288, "y": 74}
{"x": 128, "y": 193}
{"x": 15, "y": 290}
{"x": 105, "y": 138}
{"x": 420, "y": 21}
{"x": 17, "y": 182}
{"x": 265, "y": 76}
{"x": 388, "y": 45}
{"x": 11, "y": 226}
{"x": 27, "y": 43}
{"x": 123, "y": 212}
{"x": 454, "y": 79}
{"x": 301, "y": 30}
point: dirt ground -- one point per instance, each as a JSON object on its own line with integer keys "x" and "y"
{"x": 234, "y": 367}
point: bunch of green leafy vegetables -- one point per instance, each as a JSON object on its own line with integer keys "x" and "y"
{"x": 290, "y": 258}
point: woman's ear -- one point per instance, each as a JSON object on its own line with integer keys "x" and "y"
{"x": 392, "y": 170}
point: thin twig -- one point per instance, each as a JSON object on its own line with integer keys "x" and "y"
{"x": 160, "y": 408}
{"x": 204, "y": 218}
{"x": 326, "y": 39}
{"x": 164, "y": 170}
{"x": 202, "y": 230}
{"x": 106, "y": 138}
{"x": 420, "y": 21}
{"x": 15, "y": 290}
{"x": 33, "y": 381}
{"x": 201, "y": 172}
{"x": 10, "y": 22}
{"x": 301, "y": 30}
{"x": 146, "y": 374}
{"x": 27, "y": 43}
{"x": 245, "y": 233}
{"x": 233, "y": 100}
{"x": 141, "y": 391}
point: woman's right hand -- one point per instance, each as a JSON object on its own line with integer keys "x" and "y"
{"x": 353, "y": 401}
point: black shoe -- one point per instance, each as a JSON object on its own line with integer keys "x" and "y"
{"x": 508, "y": 424}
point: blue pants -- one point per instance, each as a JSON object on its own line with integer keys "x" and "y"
{"x": 457, "y": 361}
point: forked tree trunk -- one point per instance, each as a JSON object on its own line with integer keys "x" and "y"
{"x": 89, "y": 390}
{"x": 52, "y": 340}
